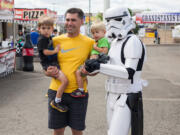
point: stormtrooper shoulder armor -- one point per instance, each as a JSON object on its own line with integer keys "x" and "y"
{"x": 133, "y": 48}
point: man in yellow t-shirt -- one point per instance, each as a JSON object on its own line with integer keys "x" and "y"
{"x": 75, "y": 50}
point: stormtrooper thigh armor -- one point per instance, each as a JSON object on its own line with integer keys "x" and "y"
{"x": 118, "y": 115}
{"x": 125, "y": 111}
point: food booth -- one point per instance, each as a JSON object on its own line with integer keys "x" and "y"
{"x": 162, "y": 22}
{"x": 7, "y": 50}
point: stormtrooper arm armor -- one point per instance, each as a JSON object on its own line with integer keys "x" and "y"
{"x": 114, "y": 70}
{"x": 126, "y": 72}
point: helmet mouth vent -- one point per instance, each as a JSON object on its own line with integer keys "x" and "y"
{"x": 113, "y": 35}
{"x": 119, "y": 35}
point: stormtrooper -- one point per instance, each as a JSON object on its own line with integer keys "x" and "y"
{"x": 124, "y": 84}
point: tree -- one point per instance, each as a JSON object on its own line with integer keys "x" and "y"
{"x": 130, "y": 11}
{"x": 99, "y": 16}
{"x": 137, "y": 26}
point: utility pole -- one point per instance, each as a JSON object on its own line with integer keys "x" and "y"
{"x": 89, "y": 17}
{"x": 54, "y": 10}
{"x": 53, "y": 6}
{"x": 14, "y": 27}
{"x": 106, "y": 4}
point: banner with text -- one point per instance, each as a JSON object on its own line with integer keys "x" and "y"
{"x": 32, "y": 14}
{"x": 171, "y": 17}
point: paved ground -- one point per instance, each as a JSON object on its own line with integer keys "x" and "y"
{"x": 23, "y": 106}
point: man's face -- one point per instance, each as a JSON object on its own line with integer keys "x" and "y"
{"x": 73, "y": 23}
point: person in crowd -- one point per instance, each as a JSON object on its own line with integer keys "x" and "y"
{"x": 55, "y": 33}
{"x": 156, "y": 35}
{"x": 34, "y": 37}
{"x": 124, "y": 84}
{"x": 20, "y": 36}
{"x": 34, "y": 34}
{"x": 48, "y": 57}
{"x": 75, "y": 49}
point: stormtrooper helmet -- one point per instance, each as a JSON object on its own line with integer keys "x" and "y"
{"x": 118, "y": 22}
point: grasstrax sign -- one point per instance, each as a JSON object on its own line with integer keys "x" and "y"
{"x": 158, "y": 17}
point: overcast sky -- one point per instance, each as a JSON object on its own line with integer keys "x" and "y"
{"x": 97, "y": 5}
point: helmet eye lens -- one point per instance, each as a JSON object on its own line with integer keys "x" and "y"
{"x": 118, "y": 19}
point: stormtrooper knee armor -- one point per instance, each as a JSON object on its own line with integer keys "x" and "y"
{"x": 124, "y": 85}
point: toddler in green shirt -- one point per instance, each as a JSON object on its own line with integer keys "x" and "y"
{"x": 98, "y": 31}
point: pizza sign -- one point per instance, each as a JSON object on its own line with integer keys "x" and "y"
{"x": 28, "y": 14}
{"x": 32, "y": 14}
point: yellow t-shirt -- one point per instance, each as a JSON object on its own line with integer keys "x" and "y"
{"x": 74, "y": 52}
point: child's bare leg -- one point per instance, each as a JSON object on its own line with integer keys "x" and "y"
{"x": 79, "y": 79}
{"x": 64, "y": 82}
{"x": 57, "y": 104}
{"x": 80, "y": 91}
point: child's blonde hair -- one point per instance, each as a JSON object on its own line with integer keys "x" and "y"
{"x": 98, "y": 26}
{"x": 45, "y": 20}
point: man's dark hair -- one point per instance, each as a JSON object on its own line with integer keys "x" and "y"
{"x": 75, "y": 10}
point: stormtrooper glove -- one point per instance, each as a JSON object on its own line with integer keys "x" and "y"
{"x": 92, "y": 65}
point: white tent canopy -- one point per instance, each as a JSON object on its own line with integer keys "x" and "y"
{"x": 6, "y": 16}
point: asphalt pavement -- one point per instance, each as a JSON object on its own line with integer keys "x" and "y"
{"x": 23, "y": 105}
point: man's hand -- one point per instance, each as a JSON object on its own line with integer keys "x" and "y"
{"x": 52, "y": 71}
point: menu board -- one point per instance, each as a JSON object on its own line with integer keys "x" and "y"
{"x": 7, "y": 61}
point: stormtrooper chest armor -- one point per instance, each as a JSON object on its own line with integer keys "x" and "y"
{"x": 120, "y": 85}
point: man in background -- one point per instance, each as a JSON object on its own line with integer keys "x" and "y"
{"x": 34, "y": 38}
